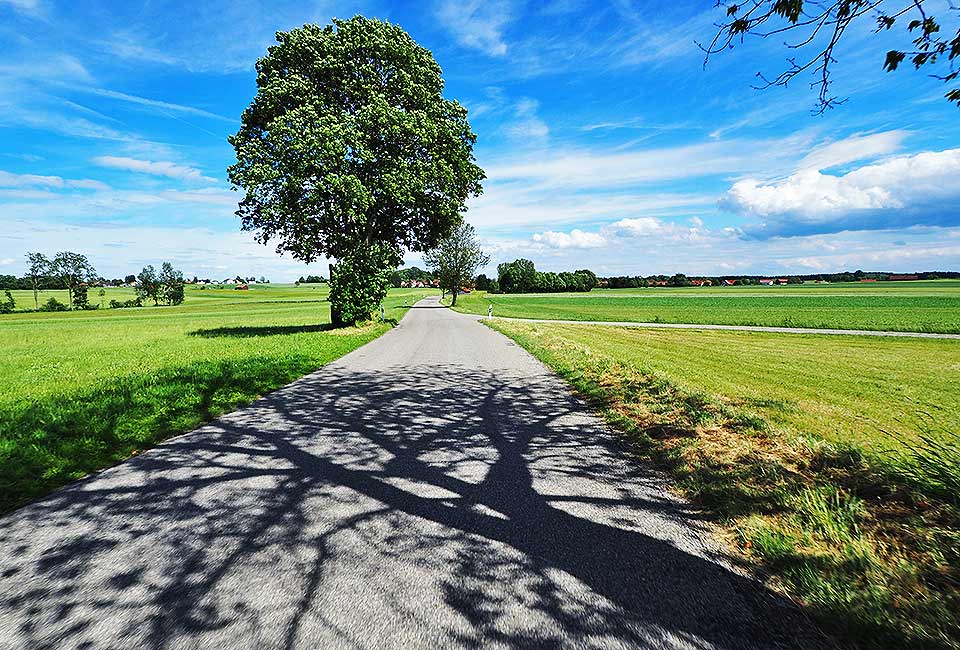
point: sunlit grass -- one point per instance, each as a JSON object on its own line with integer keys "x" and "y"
{"x": 82, "y": 390}
{"x": 921, "y": 307}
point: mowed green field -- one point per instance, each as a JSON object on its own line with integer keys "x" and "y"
{"x": 82, "y": 390}
{"x": 877, "y": 393}
{"x": 923, "y": 306}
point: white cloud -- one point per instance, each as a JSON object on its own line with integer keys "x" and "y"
{"x": 897, "y": 192}
{"x": 155, "y": 168}
{"x": 57, "y": 67}
{"x": 852, "y": 149}
{"x": 477, "y": 23}
{"x": 574, "y": 239}
{"x": 153, "y": 103}
{"x": 528, "y": 125}
{"x": 8, "y": 179}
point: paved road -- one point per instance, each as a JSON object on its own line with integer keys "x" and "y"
{"x": 736, "y": 328}
{"x": 437, "y": 488}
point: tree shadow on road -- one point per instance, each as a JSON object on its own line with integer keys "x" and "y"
{"x": 352, "y": 509}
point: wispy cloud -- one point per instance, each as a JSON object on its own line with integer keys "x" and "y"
{"x": 155, "y": 104}
{"x": 8, "y": 179}
{"x": 477, "y": 24}
{"x": 155, "y": 168}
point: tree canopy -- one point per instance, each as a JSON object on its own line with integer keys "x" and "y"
{"x": 349, "y": 150}
{"x": 818, "y": 27}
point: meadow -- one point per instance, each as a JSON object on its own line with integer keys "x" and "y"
{"x": 82, "y": 390}
{"x": 923, "y": 306}
{"x": 831, "y": 463}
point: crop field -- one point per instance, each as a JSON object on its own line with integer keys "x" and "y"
{"x": 832, "y": 462}
{"x": 932, "y": 306}
{"x": 82, "y": 390}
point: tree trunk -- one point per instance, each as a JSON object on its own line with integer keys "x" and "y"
{"x": 336, "y": 317}
{"x": 453, "y": 292}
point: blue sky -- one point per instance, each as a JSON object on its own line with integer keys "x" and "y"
{"x": 606, "y": 143}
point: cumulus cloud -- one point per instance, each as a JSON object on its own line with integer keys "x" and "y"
{"x": 902, "y": 191}
{"x": 574, "y": 239}
{"x": 155, "y": 168}
{"x": 620, "y": 232}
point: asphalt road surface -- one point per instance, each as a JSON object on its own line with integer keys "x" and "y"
{"x": 437, "y": 488}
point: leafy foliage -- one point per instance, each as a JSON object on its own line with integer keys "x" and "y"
{"x": 8, "y": 304}
{"x": 521, "y": 276}
{"x": 53, "y": 304}
{"x": 456, "y": 259}
{"x": 71, "y": 270}
{"x": 359, "y": 284}
{"x": 148, "y": 284}
{"x": 171, "y": 284}
{"x": 350, "y": 150}
{"x": 821, "y": 26}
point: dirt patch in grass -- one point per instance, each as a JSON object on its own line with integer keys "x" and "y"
{"x": 869, "y": 545}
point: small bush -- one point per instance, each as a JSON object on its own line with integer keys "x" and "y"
{"x": 53, "y": 305}
{"x": 8, "y": 304}
{"x": 118, "y": 304}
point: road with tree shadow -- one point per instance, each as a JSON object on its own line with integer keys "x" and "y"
{"x": 437, "y": 488}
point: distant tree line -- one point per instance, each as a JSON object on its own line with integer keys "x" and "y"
{"x": 681, "y": 280}
{"x": 312, "y": 279}
{"x": 521, "y": 276}
{"x": 74, "y": 273}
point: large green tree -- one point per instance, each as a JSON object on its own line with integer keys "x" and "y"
{"x": 349, "y": 150}
{"x": 456, "y": 259}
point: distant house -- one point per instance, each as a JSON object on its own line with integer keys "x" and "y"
{"x": 767, "y": 281}
{"x": 783, "y": 281}
{"x": 901, "y": 278}
{"x": 868, "y": 280}
{"x": 730, "y": 283}
{"x": 701, "y": 283}
{"x": 242, "y": 287}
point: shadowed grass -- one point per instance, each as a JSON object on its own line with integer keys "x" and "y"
{"x": 51, "y": 441}
{"x": 870, "y": 548}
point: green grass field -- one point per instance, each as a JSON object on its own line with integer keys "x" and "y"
{"x": 82, "y": 390}
{"x": 832, "y": 461}
{"x": 929, "y": 306}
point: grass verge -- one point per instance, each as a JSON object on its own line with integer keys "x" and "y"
{"x": 867, "y": 540}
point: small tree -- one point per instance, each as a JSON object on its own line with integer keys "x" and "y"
{"x": 79, "y": 298}
{"x": 148, "y": 284}
{"x": 171, "y": 284}
{"x": 72, "y": 270}
{"x": 8, "y": 304}
{"x": 38, "y": 267}
{"x": 457, "y": 259}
